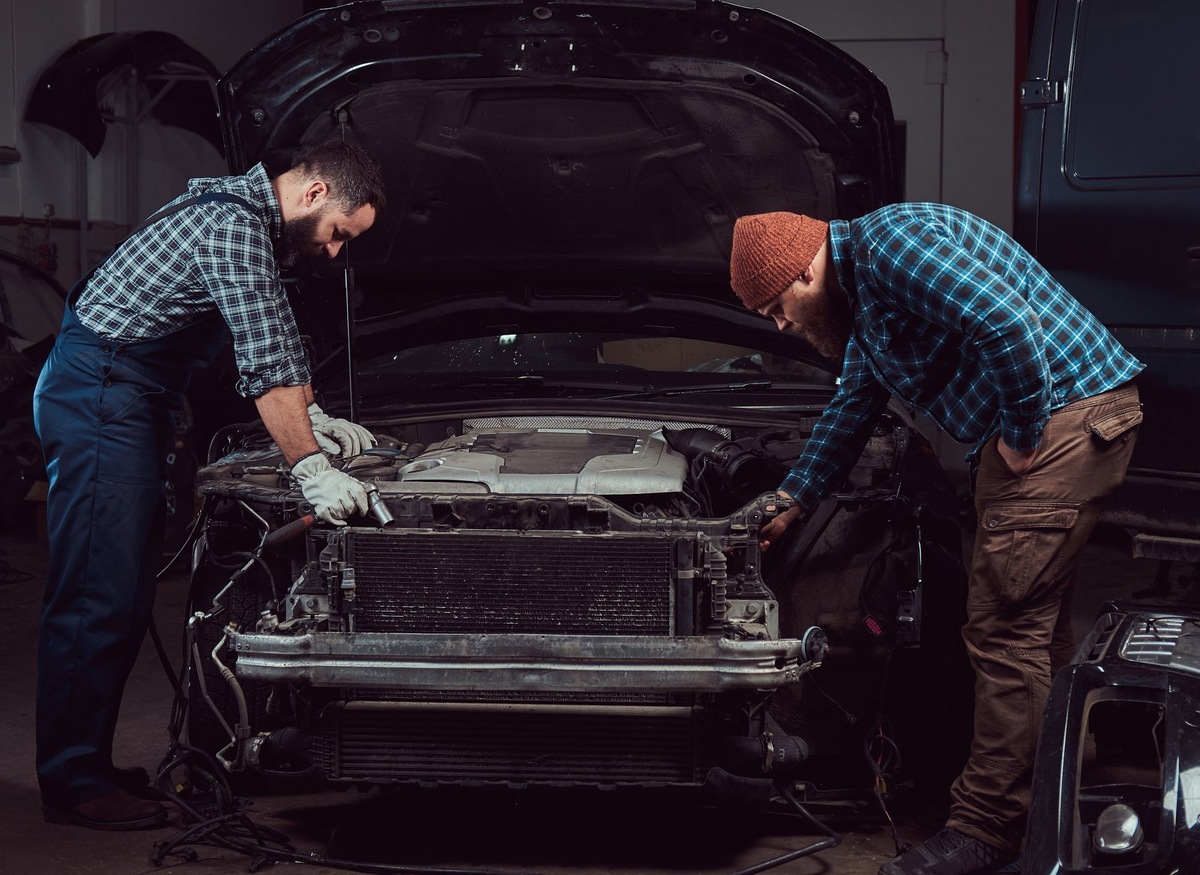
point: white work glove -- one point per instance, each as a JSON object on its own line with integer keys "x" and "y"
{"x": 333, "y": 494}
{"x": 338, "y": 435}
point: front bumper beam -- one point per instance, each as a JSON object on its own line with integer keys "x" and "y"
{"x": 596, "y": 663}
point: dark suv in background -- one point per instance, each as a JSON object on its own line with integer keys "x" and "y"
{"x": 1109, "y": 200}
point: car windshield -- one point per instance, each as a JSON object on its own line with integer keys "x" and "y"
{"x": 603, "y": 364}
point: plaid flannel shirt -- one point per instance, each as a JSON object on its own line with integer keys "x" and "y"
{"x": 205, "y": 257}
{"x": 956, "y": 319}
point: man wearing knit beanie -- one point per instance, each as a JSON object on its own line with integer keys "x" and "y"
{"x": 949, "y": 314}
{"x": 780, "y": 268}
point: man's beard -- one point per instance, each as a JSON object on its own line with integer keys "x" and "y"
{"x": 297, "y": 239}
{"x": 828, "y": 322}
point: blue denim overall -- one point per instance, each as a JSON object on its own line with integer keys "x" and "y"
{"x": 102, "y": 412}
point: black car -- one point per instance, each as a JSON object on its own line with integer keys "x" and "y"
{"x": 580, "y": 428}
{"x": 1118, "y": 769}
{"x": 1108, "y": 199}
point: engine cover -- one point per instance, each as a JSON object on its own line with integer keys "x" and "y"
{"x": 548, "y": 461}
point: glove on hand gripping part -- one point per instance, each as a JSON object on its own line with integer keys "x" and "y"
{"x": 333, "y": 495}
{"x": 339, "y": 435}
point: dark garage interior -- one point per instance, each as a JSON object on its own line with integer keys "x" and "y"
{"x": 467, "y": 555}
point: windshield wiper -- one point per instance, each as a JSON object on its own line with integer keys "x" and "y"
{"x": 484, "y": 382}
{"x": 701, "y": 387}
{"x": 522, "y": 381}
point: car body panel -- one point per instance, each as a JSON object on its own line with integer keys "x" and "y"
{"x": 1121, "y": 728}
{"x": 579, "y": 136}
{"x": 1108, "y": 194}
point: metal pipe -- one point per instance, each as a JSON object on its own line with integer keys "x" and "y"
{"x": 200, "y": 680}
{"x": 242, "y": 730}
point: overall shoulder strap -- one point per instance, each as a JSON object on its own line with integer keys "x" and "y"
{"x": 208, "y": 197}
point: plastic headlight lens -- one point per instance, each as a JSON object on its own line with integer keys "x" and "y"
{"x": 1118, "y": 830}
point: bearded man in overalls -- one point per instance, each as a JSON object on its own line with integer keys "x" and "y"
{"x": 203, "y": 269}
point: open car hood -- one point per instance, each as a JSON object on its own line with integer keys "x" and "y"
{"x": 597, "y": 140}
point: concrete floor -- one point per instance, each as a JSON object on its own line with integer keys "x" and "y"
{"x": 424, "y": 832}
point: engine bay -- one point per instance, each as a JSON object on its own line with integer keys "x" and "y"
{"x": 690, "y": 471}
{"x": 561, "y": 572}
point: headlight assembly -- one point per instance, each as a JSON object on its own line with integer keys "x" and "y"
{"x": 1118, "y": 830}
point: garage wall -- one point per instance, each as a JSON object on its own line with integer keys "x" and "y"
{"x": 108, "y": 192}
{"x": 46, "y": 171}
{"x": 223, "y": 32}
{"x": 950, "y": 70}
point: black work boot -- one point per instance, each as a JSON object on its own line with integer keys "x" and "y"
{"x": 949, "y": 852}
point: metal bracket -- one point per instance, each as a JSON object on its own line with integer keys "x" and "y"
{"x": 1146, "y": 546}
{"x": 1041, "y": 92}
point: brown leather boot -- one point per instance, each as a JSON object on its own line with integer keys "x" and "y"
{"x": 115, "y": 810}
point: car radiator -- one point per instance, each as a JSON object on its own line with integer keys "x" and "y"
{"x": 532, "y": 745}
{"x": 497, "y": 582}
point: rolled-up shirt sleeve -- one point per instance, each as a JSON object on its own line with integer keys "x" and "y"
{"x": 237, "y": 266}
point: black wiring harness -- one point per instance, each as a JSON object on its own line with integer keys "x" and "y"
{"x": 212, "y": 814}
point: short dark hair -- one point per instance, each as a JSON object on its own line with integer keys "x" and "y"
{"x": 353, "y": 176}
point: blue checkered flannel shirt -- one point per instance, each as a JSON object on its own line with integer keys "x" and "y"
{"x": 209, "y": 256}
{"x": 956, "y": 319}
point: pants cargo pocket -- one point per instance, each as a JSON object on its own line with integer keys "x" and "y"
{"x": 1025, "y": 543}
{"x": 1116, "y": 425}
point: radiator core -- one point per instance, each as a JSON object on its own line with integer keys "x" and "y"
{"x": 495, "y": 582}
{"x": 510, "y": 747}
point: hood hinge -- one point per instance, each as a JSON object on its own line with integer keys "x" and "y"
{"x": 1041, "y": 92}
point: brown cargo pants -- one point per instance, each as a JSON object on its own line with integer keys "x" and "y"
{"x": 1031, "y": 530}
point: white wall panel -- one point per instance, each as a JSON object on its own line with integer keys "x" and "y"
{"x": 910, "y": 68}
{"x": 975, "y": 127}
{"x": 980, "y": 128}
{"x": 31, "y": 37}
{"x": 223, "y": 31}
{"x": 55, "y": 169}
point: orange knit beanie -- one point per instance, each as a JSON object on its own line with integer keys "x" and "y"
{"x": 770, "y": 250}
